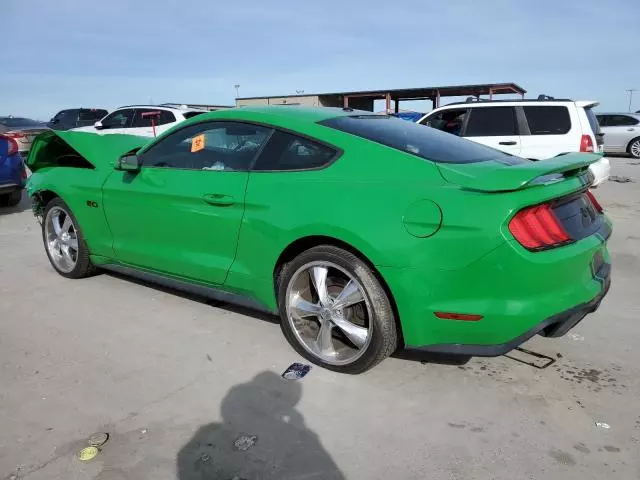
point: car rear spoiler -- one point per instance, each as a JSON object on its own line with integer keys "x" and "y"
{"x": 497, "y": 177}
{"x": 101, "y": 151}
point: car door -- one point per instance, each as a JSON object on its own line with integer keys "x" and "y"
{"x": 618, "y": 131}
{"x": 494, "y": 126}
{"x": 548, "y": 131}
{"x": 118, "y": 121}
{"x": 145, "y": 122}
{"x": 181, "y": 213}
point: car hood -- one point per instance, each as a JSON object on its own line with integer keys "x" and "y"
{"x": 101, "y": 151}
{"x": 494, "y": 176}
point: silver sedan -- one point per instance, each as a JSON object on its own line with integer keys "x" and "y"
{"x": 621, "y": 132}
{"x": 22, "y": 130}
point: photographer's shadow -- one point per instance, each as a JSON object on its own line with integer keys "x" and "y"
{"x": 261, "y": 436}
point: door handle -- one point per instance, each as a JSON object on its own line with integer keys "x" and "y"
{"x": 631, "y": 129}
{"x": 218, "y": 199}
{"x": 512, "y": 142}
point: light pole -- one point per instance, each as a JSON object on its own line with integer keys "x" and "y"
{"x": 630, "y": 91}
{"x": 237, "y": 87}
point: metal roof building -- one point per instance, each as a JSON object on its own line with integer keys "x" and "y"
{"x": 363, "y": 100}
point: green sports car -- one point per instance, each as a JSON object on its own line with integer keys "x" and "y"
{"x": 364, "y": 232}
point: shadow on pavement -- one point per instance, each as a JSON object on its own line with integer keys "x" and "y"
{"x": 25, "y": 204}
{"x": 261, "y": 436}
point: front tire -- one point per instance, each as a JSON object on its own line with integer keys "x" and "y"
{"x": 634, "y": 148}
{"x": 11, "y": 199}
{"x": 334, "y": 311}
{"x": 64, "y": 242}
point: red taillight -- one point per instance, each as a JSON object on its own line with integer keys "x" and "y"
{"x": 586, "y": 144}
{"x": 596, "y": 203}
{"x": 538, "y": 228}
{"x": 12, "y": 145}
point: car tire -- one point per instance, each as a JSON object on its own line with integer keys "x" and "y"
{"x": 634, "y": 148}
{"x": 68, "y": 254}
{"x": 365, "y": 332}
{"x": 11, "y": 199}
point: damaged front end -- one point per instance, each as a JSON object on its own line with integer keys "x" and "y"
{"x": 66, "y": 163}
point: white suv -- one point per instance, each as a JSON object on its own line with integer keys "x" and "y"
{"x": 141, "y": 120}
{"x": 534, "y": 129}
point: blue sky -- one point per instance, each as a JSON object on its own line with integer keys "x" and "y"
{"x": 69, "y": 53}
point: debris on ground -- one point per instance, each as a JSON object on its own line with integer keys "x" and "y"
{"x": 98, "y": 439}
{"x": 618, "y": 179}
{"x": 576, "y": 337}
{"x": 296, "y": 371}
{"x": 602, "y": 425}
{"x": 88, "y": 453}
{"x": 245, "y": 442}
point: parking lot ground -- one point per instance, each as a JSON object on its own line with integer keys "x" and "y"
{"x": 191, "y": 390}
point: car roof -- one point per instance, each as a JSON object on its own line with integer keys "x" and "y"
{"x": 293, "y": 113}
{"x": 163, "y": 107}
{"x": 628, "y": 114}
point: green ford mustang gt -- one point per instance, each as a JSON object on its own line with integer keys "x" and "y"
{"x": 365, "y": 233}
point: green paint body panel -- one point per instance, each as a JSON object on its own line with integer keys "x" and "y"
{"x": 436, "y": 233}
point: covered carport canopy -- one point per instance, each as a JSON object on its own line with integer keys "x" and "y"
{"x": 434, "y": 93}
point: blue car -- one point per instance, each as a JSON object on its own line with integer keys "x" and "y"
{"x": 13, "y": 174}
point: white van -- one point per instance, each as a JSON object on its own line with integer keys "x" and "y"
{"x": 534, "y": 129}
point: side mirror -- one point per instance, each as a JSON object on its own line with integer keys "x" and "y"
{"x": 128, "y": 163}
{"x": 98, "y": 125}
{"x": 53, "y": 121}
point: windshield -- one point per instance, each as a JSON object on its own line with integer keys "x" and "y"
{"x": 424, "y": 142}
{"x": 12, "y": 122}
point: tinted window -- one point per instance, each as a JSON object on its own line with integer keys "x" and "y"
{"x": 208, "y": 146}
{"x": 593, "y": 121}
{"x": 192, "y": 114}
{"x": 450, "y": 121}
{"x": 548, "y": 120}
{"x": 418, "y": 140}
{"x": 166, "y": 117}
{"x": 286, "y": 151}
{"x": 91, "y": 115}
{"x": 119, "y": 119}
{"x": 621, "y": 121}
{"x": 491, "y": 122}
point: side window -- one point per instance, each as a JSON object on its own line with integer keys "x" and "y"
{"x": 286, "y": 151}
{"x": 91, "y": 115}
{"x": 491, "y": 122}
{"x": 621, "y": 121}
{"x": 450, "y": 121}
{"x": 229, "y": 146}
{"x": 602, "y": 120}
{"x": 119, "y": 119}
{"x": 548, "y": 120}
{"x": 166, "y": 117}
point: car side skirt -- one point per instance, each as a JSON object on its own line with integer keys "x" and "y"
{"x": 198, "y": 289}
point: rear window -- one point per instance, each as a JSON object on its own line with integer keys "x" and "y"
{"x": 593, "y": 121}
{"x": 192, "y": 114}
{"x": 421, "y": 141}
{"x": 91, "y": 115}
{"x": 548, "y": 120}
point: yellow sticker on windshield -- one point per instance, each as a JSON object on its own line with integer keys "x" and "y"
{"x": 197, "y": 143}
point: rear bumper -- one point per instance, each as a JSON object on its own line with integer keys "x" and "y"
{"x": 10, "y": 187}
{"x": 517, "y": 292}
{"x": 555, "y": 326}
{"x": 601, "y": 171}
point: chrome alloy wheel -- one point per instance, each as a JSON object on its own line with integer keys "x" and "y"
{"x": 634, "y": 149}
{"x": 61, "y": 239}
{"x": 329, "y": 312}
